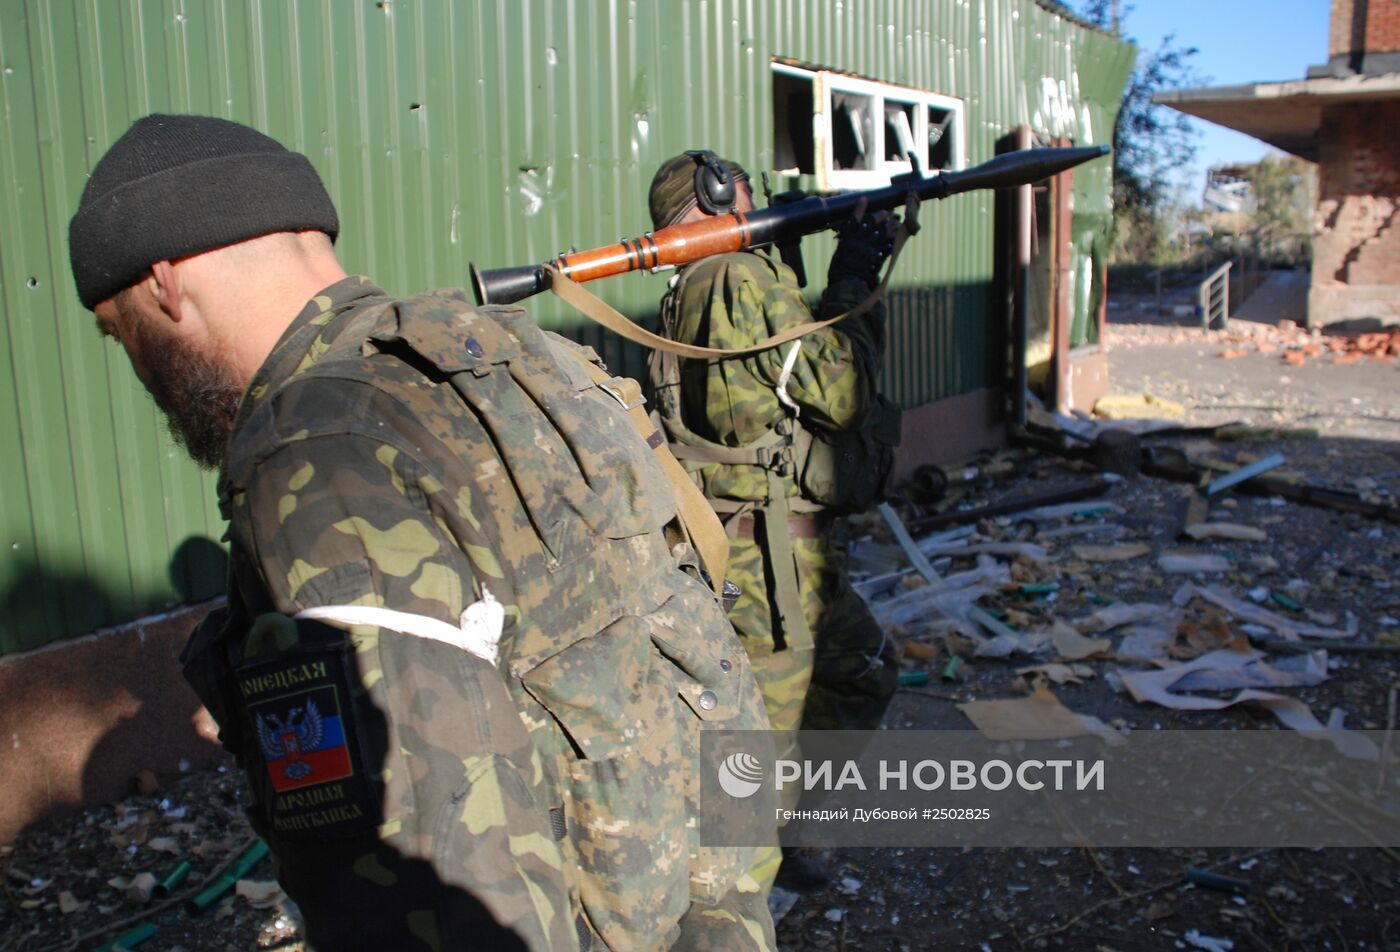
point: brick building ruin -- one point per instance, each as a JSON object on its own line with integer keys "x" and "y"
{"x": 1343, "y": 116}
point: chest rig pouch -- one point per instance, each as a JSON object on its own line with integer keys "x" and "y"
{"x": 848, "y": 471}
{"x": 844, "y": 471}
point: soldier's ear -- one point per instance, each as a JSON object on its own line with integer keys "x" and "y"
{"x": 168, "y": 289}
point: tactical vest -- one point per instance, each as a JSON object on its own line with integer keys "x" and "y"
{"x": 838, "y": 472}
{"x": 617, "y": 659}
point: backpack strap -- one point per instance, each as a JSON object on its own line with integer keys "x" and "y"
{"x": 767, "y": 451}
{"x": 787, "y": 591}
{"x": 698, "y": 521}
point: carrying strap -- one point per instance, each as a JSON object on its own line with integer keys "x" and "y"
{"x": 787, "y": 592}
{"x": 596, "y": 309}
{"x": 766, "y": 451}
{"x": 698, "y": 520}
{"x": 796, "y": 505}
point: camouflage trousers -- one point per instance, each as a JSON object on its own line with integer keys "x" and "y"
{"x": 843, "y": 680}
{"x": 739, "y": 922}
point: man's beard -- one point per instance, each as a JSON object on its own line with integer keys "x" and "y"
{"x": 197, "y": 392}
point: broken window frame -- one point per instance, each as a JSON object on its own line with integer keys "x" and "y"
{"x": 834, "y": 132}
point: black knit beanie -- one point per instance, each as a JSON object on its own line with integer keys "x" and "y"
{"x": 175, "y": 186}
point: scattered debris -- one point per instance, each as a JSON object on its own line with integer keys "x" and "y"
{"x": 140, "y": 887}
{"x": 780, "y": 902}
{"x": 1287, "y": 628}
{"x": 1300, "y": 586}
{"x": 1226, "y": 530}
{"x": 1070, "y": 645}
{"x": 1058, "y": 673}
{"x": 1038, "y": 717}
{"x": 1190, "y": 563}
{"x": 260, "y": 894}
{"x": 1136, "y": 406}
{"x": 1243, "y": 474}
{"x": 1223, "y": 670}
{"x": 1111, "y": 553}
{"x": 1194, "y": 939}
{"x": 1210, "y": 880}
{"x": 1146, "y": 642}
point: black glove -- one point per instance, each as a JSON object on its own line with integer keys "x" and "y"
{"x": 862, "y": 246}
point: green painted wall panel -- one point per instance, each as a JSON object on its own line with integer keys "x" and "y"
{"x": 449, "y": 131}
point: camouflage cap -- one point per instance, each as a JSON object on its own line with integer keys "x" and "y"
{"x": 673, "y": 188}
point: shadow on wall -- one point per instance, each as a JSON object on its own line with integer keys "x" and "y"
{"x": 82, "y": 717}
{"x": 195, "y": 561}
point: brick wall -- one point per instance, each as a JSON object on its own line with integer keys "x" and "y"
{"x": 1369, "y": 26}
{"x": 1382, "y": 26}
{"x": 1340, "y": 37}
{"x": 1356, "y": 249}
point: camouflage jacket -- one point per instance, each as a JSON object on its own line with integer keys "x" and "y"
{"x": 735, "y": 300}
{"x": 422, "y": 455}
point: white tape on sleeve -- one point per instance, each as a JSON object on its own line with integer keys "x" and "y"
{"x": 479, "y": 633}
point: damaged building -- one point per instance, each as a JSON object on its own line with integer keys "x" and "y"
{"x": 1339, "y": 116}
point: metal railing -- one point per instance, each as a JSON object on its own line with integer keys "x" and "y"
{"x": 1214, "y": 297}
{"x": 1248, "y": 276}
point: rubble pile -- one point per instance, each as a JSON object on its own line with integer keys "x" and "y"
{"x": 1294, "y": 345}
{"x": 1154, "y": 574}
{"x": 175, "y": 865}
{"x": 1147, "y": 605}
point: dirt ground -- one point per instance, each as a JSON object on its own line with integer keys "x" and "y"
{"x": 1331, "y": 563}
{"x": 67, "y": 882}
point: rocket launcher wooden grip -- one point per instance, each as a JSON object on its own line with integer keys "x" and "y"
{"x": 735, "y": 231}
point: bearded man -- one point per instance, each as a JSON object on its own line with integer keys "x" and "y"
{"x": 461, "y": 666}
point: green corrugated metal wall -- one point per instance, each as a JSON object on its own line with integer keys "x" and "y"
{"x": 500, "y": 132}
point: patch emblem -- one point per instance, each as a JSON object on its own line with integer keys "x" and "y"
{"x": 302, "y": 738}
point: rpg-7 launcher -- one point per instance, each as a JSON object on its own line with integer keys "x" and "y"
{"x": 777, "y": 225}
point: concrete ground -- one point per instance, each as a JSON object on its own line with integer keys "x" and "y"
{"x": 1173, "y": 357}
{"x": 1338, "y": 567}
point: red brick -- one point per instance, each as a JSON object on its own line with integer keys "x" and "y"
{"x": 1357, "y": 240}
{"x": 1369, "y": 27}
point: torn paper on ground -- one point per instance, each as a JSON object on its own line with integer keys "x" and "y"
{"x": 1222, "y": 670}
{"x": 1038, "y": 717}
{"x": 1058, "y": 673}
{"x": 1226, "y": 530}
{"x": 1070, "y": 645}
{"x": 1146, "y": 642}
{"x": 1154, "y": 687}
{"x": 1126, "y": 613}
{"x": 1111, "y": 553}
{"x": 1184, "y": 563}
{"x": 1290, "y": 629}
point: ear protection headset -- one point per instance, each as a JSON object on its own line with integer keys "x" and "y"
{"x": 715, "y": 191}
